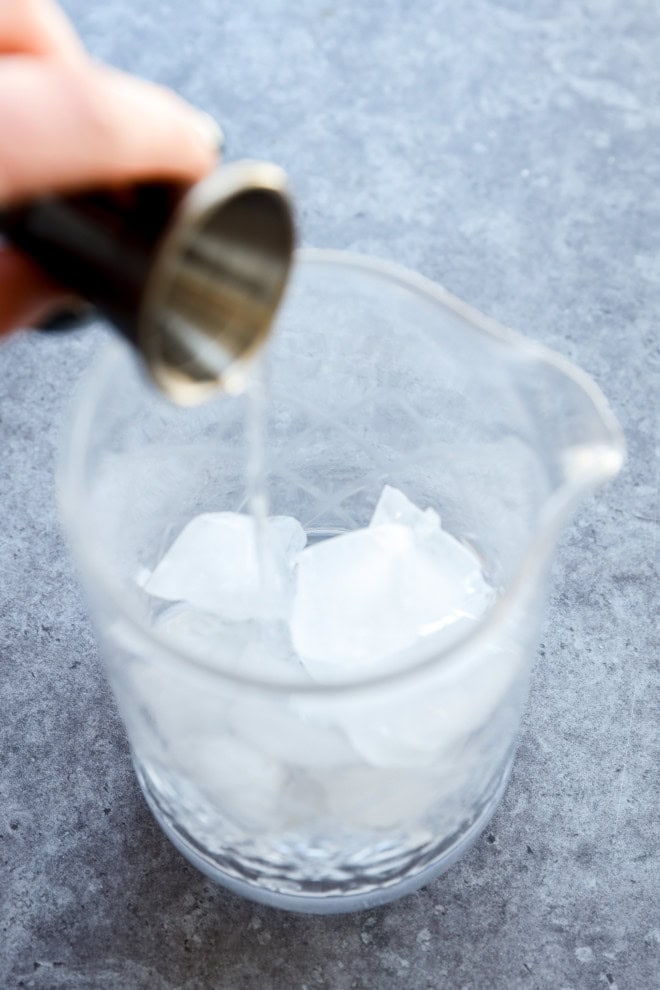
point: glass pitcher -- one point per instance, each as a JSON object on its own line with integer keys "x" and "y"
{"x": 312, "y": 796}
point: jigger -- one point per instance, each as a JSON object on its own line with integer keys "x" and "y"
{"x": 191, "y": 275}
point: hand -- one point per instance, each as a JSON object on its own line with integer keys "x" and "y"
{"x": 69, "y": 123}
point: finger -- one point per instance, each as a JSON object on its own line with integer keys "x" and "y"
{"x": 27, "y": 295}
{"x": 87, "y": 125}
{"x": 37, "y": 27}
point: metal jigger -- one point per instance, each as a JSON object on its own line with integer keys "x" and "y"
{"x": 190, "y": 275}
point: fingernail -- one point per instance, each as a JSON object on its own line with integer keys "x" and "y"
{"x": 66, "y": 318}
{"x": 209, "y": 129}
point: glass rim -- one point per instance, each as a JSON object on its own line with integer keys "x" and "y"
{"x": 424, "y": 657}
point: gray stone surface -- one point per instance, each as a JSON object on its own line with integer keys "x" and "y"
{"x": 510, "y": 150}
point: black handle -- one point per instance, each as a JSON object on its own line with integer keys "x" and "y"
{"x": 99, "y": 244}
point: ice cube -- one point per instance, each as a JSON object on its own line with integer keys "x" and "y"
{"x": 244, "y": 784}
{"x": 424, "y": 524}
{"x": 417, "y": 728}
{"x": 214, "y": 565}
{"x": 269, "y": 654}
{"x": 365, "y": 596}
{"x": 255, "y": 648}
{"x": 289, "y": 536}
{"x": 210, "y": 637}
{"x": 291, "y": 732}
{"x": 395, "y": 507}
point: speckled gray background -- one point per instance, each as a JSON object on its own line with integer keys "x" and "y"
{"x": 511, "y": 150}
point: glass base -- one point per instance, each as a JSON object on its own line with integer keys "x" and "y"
{"x": 314, "y": 902}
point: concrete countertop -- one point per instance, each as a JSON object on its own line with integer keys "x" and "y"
{"x": 508, "y": 149}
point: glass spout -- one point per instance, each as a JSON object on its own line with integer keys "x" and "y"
{"x": 579, "y": 438}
